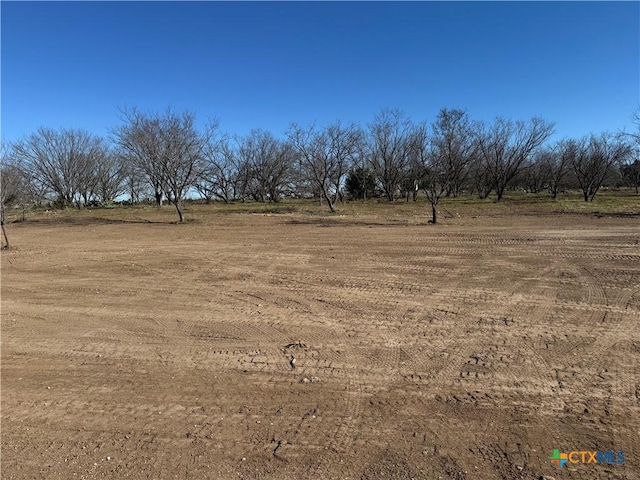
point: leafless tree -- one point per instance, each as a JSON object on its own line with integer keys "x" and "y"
{"x": 454, "y": 142}
{"x": 266, "y": 164}
{"x": 220, "y": 178}
{"x": 445, "y": 154}
{"x": 6, "y": 196}
{"x": 135, "y": 184}
{"x": 556, "y": 162}
{"x": 595, "y": 158}
{"x": 100, "y": 175}
{"x": 110, "y": 174}
{"x": 14, "y": 191}
{"x": 326, "y": 156}
{"x": 483, "y": 182}
{"x": 630, "y": 170}
{"x": 183, "y": 155}
{"x": 389, "y": 136}
{"x": 431, "y": 175}
{"x": 167, "y": 148}
{"x": 413, "y": 178}
{"x": 536, "y": 174}
{"x": 139, "y": 141}
{"x": 505, "y": 146}
{"x": 59, "y": 161}
{"x": 634, "y": 136}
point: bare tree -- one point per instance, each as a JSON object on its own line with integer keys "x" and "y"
{"x": 326, "y": 156}
{"x": 110, "y": 176}
{"x": 266, "y": 164}
{"x": 635, "y": 136}
{"x": 389, "y": 149}
{"x": 183, "y": 154}
{"x": 14, "y": 190}
{"x": 506, "y": 145}
{"x": 535, "y": 176}
{"x": 223, "y": 176}
{"x": 139, "y": 141}
{"x": 455, "y": 143}
{"x": 556, "y": 162}
{"x": 216, "y": 178}
{"x": 418, "y": 157}
{"x": 595, "y": 158}
{"x": 59, "y": 161}
{"x": 445, "y": 155}
{"x": 98, "y": 175}
{"x": 434, "y": 176}
{"x": 630, "y": 171}
{"x": 167, "y": 148}
{"x": 135, "y": 184}
{"x": 483, "y": 182}
{"x": 413, "y": 178}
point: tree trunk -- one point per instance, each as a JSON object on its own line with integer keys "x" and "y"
{"x": 179, "y": 209}
{"x": 389, "y": 196}
{"x": 6, "y": 239}
{"x": 585, "y": 192}
{"x": 483, "y": 192}
{"x": 159, "y": 199}
{"x": 328, "y": 199}
{"x": 434, "y": 213}
{"x": 4, "y": 232}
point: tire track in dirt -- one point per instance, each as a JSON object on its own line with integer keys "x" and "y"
{"x": 608, "y": 322}
{"x": 324, "y": 346}
{"x": 326, "y": 354}
{"x": 469, "y": 352}
{"x": 626, "y": 397}
{"x": 319, "y": 464}
{"x": 579, "y": 333}
{"x": 354, "y": 283}
{"x": 558, "y": 253}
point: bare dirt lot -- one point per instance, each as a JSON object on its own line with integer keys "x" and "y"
{"x": 314, "y": 347}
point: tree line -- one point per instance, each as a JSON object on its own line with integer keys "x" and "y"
{"x": 166, "y": 157}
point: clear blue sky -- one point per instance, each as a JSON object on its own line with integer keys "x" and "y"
{"x": 268, "y": 64}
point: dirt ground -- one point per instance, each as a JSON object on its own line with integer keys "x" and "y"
{"x": 301, "y": 347}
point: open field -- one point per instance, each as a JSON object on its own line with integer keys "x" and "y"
{"x": 303, "y": 345}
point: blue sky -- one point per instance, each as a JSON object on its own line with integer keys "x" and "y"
{"x": 269, "y": 64}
